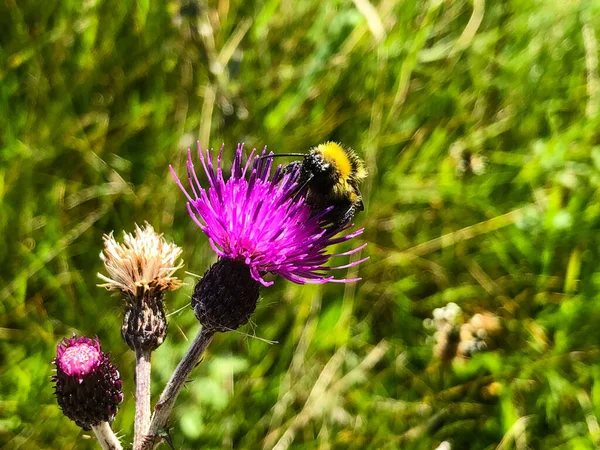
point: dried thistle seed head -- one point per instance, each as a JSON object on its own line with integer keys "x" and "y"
{"x": 487, "y": 322}
{"x": 87, "y": 384}
{"x": 445, "y": 325}
{"x": 446, "y": 343}
{"x": 143, "y": 260}
{"x": 477, "y": 335}
{"x": 142, "y": 269}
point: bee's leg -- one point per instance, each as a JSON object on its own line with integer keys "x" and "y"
{"x": 340, "y": 216}
{"x": 347, "y": 215}
{"x": 291, "y": 167}
{"x": 359, "y": 203}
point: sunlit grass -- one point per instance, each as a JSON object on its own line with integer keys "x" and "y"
{"x": 478, "y": 123}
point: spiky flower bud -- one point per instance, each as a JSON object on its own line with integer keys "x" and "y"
{"x": 87, "y": 385}
{"x": 142, "y": 270}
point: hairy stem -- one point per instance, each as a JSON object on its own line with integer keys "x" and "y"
{"x": 106, "y": 437}
{"x": 164, "y": 406}
{"x": 142, "y": 396}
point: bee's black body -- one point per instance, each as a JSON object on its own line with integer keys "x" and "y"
{"x": 330, "y": 175}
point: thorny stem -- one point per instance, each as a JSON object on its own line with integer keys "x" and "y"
{"x": 164, "y": 406}
{"x": 107, "y": 439}
{"x": 142, "y": 396}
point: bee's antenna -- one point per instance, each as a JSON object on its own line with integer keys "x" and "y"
{"x": 281, "y": 154}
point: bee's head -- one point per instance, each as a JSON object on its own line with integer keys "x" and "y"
{"x": 317, "y": 165}
{"x": 329, "y": 162}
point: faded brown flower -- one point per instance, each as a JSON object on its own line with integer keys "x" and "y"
{"x": 144, "y": 260}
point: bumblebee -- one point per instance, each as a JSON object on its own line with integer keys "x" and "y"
{"x": 329, "y": 176}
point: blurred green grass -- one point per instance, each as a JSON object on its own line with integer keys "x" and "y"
{"x": 97, "y": 98}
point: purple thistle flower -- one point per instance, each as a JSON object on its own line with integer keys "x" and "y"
{"x": 259, "y": 221}
{"x": 87, "y": 385}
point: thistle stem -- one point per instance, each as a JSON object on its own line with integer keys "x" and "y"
{"x": 142, "y": 396}
{"x": 107, "y": 439}
{"x": 164, "y": 406}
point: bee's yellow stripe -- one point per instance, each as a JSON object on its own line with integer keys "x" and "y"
{"x": 336, "y": 155}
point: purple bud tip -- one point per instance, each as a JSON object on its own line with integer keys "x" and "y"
{"x": 78, "y": 356}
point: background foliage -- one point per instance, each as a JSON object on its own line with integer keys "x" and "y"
{"x": 98, "y": 97}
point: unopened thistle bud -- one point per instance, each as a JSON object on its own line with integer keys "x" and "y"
{"x": 142, "y": 270}
{"x": 87, "y": 385}
{"x": 225, "y": 298}
{"x": 256, "y": 224}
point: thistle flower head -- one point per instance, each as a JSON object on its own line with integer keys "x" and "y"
{"x": 87, "y": 385}
{"x": 145, "y": 260}
{"x": 256, "y": 224}
{"x": 142, "y": 269}
{"x": 259, "y": 221}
